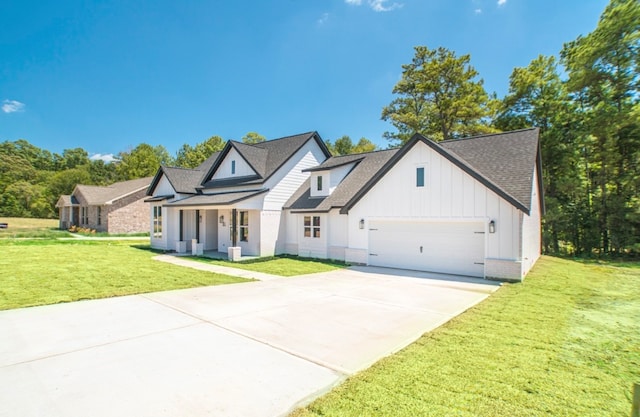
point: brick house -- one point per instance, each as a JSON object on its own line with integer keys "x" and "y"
{"x": 115, "y": 208}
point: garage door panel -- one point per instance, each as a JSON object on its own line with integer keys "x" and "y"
{"x": 448, "y": 247}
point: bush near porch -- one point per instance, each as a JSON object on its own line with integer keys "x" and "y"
{"x": 563, "y": 343}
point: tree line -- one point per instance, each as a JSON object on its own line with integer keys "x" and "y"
{"x": 32, "y": 179}
{"x": 586, "y": 103}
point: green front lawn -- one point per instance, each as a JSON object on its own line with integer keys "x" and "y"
{"x": 566, "y": 342}
{"x": 38, "y": 272}
{"x": 285, "y": 266}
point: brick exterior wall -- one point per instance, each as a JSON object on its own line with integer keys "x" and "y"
{"x": 503, "y": 269}
{"x": 129, "y": 215}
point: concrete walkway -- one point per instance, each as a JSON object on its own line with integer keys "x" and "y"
{"x": 253, "y": 349}
{"x": 219, "y": 269}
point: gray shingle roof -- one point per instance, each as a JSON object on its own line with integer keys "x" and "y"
{"x": 367, "y": 165}
{"x": 504, "y": 162}
{"x": 99, "y": 195}
{"x": 506, "y": 159}
{"x": 183, "y": 180}
{"x": 67, "y": 200}
{"x": 265, "y": 158}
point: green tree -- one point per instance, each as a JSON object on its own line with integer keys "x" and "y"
{"x": 438, "y": 96}
{"x": 253, "y": 137}
{"x": 343, "y": 145}
{"x": 364, "y": 145}
{"x": 603, "y": 70}
{"x": 64, "y": 182}
{"x": 537, "y": 97}
{"x": 191, "y": 156}
{"x": 72, "y": 158}
{"x": 142, "y": 161}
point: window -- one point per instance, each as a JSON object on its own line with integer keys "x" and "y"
{"x": 99, "y": 215}
{"x": 157, "y": 222}
{"x": 84, "y": 217}
{"x": 244, "y": 226}
{"x": 312, "y": 226}
{"x": 319, "y": 182}
{"x": 420, "y": 177}
{"x": 233, "y": 167}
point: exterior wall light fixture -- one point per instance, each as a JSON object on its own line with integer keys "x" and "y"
{"x": 361, "y": 223}
{"x": 492, "y": 226}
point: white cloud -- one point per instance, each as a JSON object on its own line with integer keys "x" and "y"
{"x": 323, "y": 19}
{"x": 478, "y": 11}
{"x": 107, "y": 157}
{"x": 379, "y": 6}
{"x": 502, "y": 2}
{"x": 12, "y": 106}
{"x": 376, "y": 5}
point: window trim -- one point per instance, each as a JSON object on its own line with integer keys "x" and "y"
{"x": 319, "y": 182}
{"x": 311, "y": 226}
{"x": 420, "y": 175}
{"x": 99, "y": 215}
{"x": 156, "y": 231}
{"x": 243, "y": 229}
{"x": 84, "y": 215}
{"x": 233, "y": 167}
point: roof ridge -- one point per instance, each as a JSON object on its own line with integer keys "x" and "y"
{"x": 284, "y": 137}
{"x": 489, "y": 134}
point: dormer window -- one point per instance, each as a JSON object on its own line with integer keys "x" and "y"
{"x": 233, "y": 167}
{"x": 319, "y": 182}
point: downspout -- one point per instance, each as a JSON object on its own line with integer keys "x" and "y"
{"x": 181, "y": 226}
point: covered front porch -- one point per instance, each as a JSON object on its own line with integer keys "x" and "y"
{"x": 213, "y": 231}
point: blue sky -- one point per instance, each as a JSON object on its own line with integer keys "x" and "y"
{"x": 108, "y": 75}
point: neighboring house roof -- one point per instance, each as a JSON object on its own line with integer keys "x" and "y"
{"x": 503, "y": 162}
{"x": 67, "y": 201}
{"x": 265, "y": 158}
{"x": 218, "y": 199}
{"x": 101, "y": 195}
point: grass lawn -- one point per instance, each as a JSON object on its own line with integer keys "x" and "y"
{"x": 566, "y": 342}
{"x": 38, "y": 272}
{"x": 285, "y": 266}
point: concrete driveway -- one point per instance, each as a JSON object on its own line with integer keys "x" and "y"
{"x": 254, "y": 349}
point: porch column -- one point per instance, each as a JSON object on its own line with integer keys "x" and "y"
{"x": 234, "y": 238}
{"x": 198, "y": 226}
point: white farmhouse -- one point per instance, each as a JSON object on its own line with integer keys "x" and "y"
{"x": 468, "y": 206}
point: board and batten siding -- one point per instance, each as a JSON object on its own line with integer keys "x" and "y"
{"x": 290, "y": 177}
{"x": 531, "y": 232}
{"x": 448, "y": 194}
{"x": 337, "y": 235}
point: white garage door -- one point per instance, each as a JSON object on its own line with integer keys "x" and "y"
{"x": 447, "y": 247}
